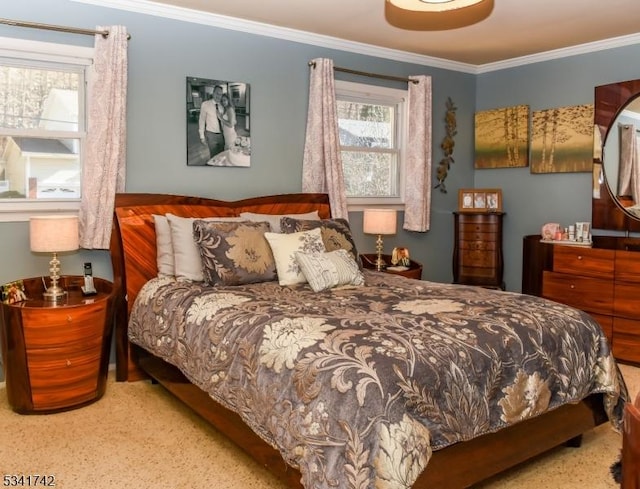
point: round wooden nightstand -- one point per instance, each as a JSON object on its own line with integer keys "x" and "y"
{"x": 414, "y": 271}
{"x": 56, "y": 355}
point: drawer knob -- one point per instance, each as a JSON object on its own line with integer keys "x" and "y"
{"x": 68, "y": 363}
{"x": 579, "y": 257}
{"x": 69, "y": 319}
{"x": 572, "y": 286}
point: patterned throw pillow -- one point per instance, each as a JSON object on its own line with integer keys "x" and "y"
{"x": 284, "y": 247}
{"x": 336, "y": 233}
{"x": 234, "y": 253}
{"x": 274, "y": 219}
{"x": 326, "y": 270}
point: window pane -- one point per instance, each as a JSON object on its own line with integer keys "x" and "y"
{"x": 370, "y": 174}
{"x": 366, "y": 125}
{"x": 38, "y": 98}
{"x": 39, "y": 168}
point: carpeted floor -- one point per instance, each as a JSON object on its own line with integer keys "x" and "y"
{"x": 137, "y": 435}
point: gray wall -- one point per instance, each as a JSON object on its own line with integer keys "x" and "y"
{"x": 163, "y": 52}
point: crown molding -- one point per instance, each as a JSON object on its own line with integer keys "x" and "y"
{"x": 148, "y": 7}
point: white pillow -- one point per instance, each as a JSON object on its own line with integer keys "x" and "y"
{"x": 274, "y": 219}
{"x": 326, "y": 270}
{"x": 186, "y": 256}
{"x": 164, "y": 247}
{"x": 284, "y": 247}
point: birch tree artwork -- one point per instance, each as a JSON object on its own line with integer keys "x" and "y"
{"x": 562, "y": 140}
{"x": 502, "y": 137}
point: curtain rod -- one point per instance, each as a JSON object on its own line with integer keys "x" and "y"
{"x": 365, "y": 73}
{"x": 59, "y": 28}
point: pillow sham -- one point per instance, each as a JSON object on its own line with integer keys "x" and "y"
{"x": 274, "y": 219}
{"x": 234, "y": 253}
{"x": 186, "y": 256}
{"x": 327, "y": 270}
{"x": 336, "y": 233}
{"x": 164, "y": 246}
{"x": 284, "y": 247}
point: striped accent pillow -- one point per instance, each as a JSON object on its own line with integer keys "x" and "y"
{"x": 330, "y": 269}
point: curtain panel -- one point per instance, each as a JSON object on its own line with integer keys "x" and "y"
{"x": 103, "y": 171}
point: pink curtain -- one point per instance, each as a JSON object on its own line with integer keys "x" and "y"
{"x": 322, "y": 164}
{"x": 103, "y": 171}
{"x": 417, "y": 207}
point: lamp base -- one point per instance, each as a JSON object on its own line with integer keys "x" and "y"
{"x": 54, "y": 294}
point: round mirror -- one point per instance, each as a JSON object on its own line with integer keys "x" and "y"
{"x": 621, "y": 158}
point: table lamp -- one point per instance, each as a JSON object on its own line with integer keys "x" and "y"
{"x": 379, "y": 221}
{"x": 53, "y": 234}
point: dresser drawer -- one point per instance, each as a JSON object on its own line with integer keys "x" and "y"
{"x": 478, "y": 258}
{"x": 627, "y": 267}
{"x": 626, "y": 302}
{"x": 478, "y": 245}
{"x": 606, "y": 323}
{"x": 57, "y": 327}
{"x": 590, "y": 262}
{"x": 585, "y": 293}
{"x": 479, "y": 227}
{"x": 626, "y": 339}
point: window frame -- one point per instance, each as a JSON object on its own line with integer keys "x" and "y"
{"x": 56, "y": 55}
{"x": 374, "y": 94}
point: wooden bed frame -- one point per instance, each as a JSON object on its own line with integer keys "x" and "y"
{"x": 133, "y": 254}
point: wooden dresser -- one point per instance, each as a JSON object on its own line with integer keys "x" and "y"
{"x": 603, "y": 281}
{"x": 477, "y": 252}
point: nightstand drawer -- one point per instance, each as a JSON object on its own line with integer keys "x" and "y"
{"x": 53, "y": 327}
{"x": 586, "y": 293}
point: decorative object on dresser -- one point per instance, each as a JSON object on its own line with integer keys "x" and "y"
{"x": 380, "y": 222}
{"x": 56, "y": 355}
{"x": 53, "y": 234}
{"x": 603, "y": 280}
{"x": 480, "y": 200}
{"x": 477, "y": 252}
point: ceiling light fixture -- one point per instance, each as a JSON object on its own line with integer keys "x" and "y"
{"x": 425, "y": 15}
{"x": 433, "y": 5}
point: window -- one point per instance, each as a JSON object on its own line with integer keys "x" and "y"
{"x": 371, "y": 122}
{"x": 42, "y": 127}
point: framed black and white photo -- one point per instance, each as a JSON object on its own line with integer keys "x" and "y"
{"x": 480, "y": 200}
{"x": 218, "y": 123}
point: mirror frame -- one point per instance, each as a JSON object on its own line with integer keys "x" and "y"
{"x": 606, "y": 213}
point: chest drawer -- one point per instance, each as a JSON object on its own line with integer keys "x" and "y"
{"x": 57, "y": 327}
{"x": 590, "y": 262}
{"x": 627, "y": 267}
{"x": 489, "y": 246}
{"x": 471, "y": 228}
{"x": 585, "y": 293}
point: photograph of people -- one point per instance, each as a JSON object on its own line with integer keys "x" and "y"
{"x": 479, "y": 200}
{"x": 218, "y": 122}
{"x": 492, "y": 200}
{"x": 467, "y": 201}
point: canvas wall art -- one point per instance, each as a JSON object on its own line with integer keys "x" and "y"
{"x": 562, "y": 140}
{"x": 502, "y": 137}
{"x": 218, "y": 117}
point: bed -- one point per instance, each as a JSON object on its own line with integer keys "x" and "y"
{"x": 349, "y": 404}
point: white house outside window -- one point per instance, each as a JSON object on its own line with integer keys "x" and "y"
{"x": 372, "y": 125}
{"x": 42, "y": 127}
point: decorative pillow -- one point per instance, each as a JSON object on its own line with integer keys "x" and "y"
{"x": 186, "y": 257}
{"x": 326, "y": 270}
{"x": 336, "y": 233}
{"x": 234, "y": 253}
{"x": 284, "y": 247}
{"x": 164, "y": 246}
{"x": 274, "y": 219}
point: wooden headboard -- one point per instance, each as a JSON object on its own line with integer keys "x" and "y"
{"x": 133, "y": 242}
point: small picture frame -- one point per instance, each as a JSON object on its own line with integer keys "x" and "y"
{"x": 480, "y": 200}
{"x": 13, "y": 292}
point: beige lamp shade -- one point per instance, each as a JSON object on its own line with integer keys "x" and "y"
{"x": 433, "y": 5}
{"x": 53, "y": 233}
{"x": 379, "y": 221}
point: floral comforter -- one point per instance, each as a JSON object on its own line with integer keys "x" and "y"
{"x": 356, "y": 386}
